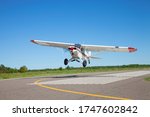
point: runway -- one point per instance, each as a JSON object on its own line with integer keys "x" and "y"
{"x": 127, "y": 85}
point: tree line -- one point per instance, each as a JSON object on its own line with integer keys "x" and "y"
{"x": 4, "y": 69}
{"x": 22, "y": 69}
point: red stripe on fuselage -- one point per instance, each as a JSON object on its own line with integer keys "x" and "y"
{"x": 72, "y": 48}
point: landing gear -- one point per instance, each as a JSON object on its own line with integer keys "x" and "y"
{"x": 89, "y": 61}
{"x": 66, "y": 61}
{"x": 84, "y": 63}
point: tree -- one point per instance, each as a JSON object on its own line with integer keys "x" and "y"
{"x": 23, "y": 69}
{"x": 3, "y": 69}
{"x": 60, "y": 68}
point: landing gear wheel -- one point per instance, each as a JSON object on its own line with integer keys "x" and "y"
{"x": 66, "y": 61}
{"x": 84, "y": 63}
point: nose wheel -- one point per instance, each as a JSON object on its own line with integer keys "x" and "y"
{"x": 66, "y": 61}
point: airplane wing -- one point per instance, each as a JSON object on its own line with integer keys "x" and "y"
{"x": 85, "y": 47}
{"x": 52, "y": 44}
{"x": 108, "y": 48}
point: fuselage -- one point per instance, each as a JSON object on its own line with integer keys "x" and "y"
{"x": 76, "y": 53}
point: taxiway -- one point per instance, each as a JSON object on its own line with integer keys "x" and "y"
{"x": 88, "y": 86}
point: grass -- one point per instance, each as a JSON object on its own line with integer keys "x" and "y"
{"x": 147, "y": 79}
{"x": 68, "y": 70}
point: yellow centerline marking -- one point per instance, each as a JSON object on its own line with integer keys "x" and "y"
{"x": 76, "y": 92}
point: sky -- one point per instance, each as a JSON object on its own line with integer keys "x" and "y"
{"x": 95, "y": 22}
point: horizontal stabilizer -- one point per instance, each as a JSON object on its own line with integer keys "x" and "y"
{"x": 93, "y": 57}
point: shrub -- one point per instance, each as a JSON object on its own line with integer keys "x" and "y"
{"x": 68, "y": 67}
{"x": 23, "y": 69}
{"x": 60, "y": 68}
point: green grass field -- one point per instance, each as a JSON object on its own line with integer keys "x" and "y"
{"x": 147, "y": 79}
{"x": 68, "y": 70}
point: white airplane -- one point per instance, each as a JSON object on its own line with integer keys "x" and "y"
{"x": 82, "y": 52}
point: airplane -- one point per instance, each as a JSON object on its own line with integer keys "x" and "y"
{"x": 82, "y": 52}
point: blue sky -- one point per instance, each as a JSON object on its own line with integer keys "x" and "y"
{"x": 100, "y": 22}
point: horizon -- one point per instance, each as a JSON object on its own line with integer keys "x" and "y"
{"x": 72, "y": 67}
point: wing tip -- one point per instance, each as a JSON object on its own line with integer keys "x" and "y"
{"x": 131, "y": 49}
{"x": 33, "y": 41}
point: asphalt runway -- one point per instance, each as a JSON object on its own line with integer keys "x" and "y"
{"x": 127, "y": 85}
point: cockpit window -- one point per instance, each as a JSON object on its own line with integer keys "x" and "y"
{"x": 78, "y": 45}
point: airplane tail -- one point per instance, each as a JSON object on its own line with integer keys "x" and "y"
{"x": 93, "y": 57}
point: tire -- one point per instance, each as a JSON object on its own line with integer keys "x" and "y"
{"x": 84, "y": 63}
{"x": 65, "y": 61}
